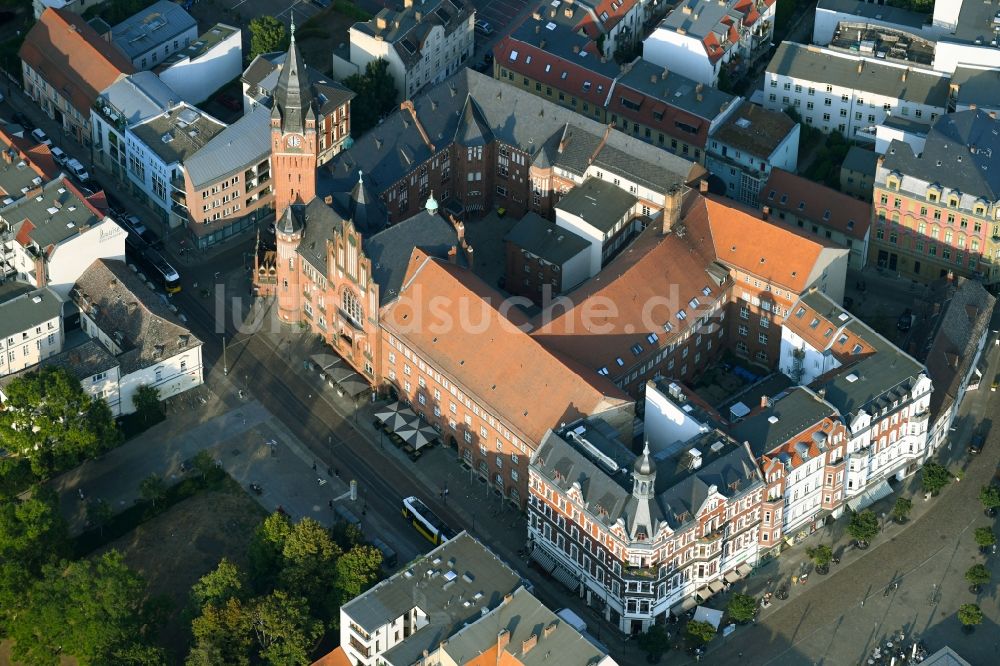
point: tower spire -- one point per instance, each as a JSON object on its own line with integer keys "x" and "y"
{"x": 292, "y": 13}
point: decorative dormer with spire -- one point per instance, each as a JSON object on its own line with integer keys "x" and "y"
{"x": 293, "y": 133}
{"x": 644, "y": 476}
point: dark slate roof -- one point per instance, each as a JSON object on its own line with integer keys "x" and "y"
{"x": 292, "y": 98}
{"x": 542, "y": 238}
{"x": 516, "y": 117}
{"x": 860, "y": 160}
{"x": 407, "y": 28}
{"x": 979, "y": 87}
{"x": 83, "y": 362}
{"x": 263, "y": 73}
{"x": 390, "y": 250}
{"x": 316, "y": 220}
{"x": 755, "y": 130}
{"x": 605, "y": 477}
{"x": 958, "y": 153}
{"x": 598, "y": 203}
{"x": 787, "y": 415}
{"x": 874, "y": 379}
{"x": 956, "y": 319}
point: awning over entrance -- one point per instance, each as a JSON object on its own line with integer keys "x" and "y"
{"x": 870, "y": 496}
{"x": 396, "y": 416}
{"x": 684, "y": 606}
{"x": 417, "y": 435}
{"x": 542, "y": 558}
{"x": 743, "y": 570}
{"x": 566, "y": 577}
{"x": 346, "y": 378}
{"x": 715, "y": 586}
{"x": 731, "y": 576}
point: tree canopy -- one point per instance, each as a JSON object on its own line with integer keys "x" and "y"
{"x": 978, "y": 575}
{"x": 935, "y": 477}
{"x": 90, "y": 609}
{"x": 990, "y": 496}
{"x": 701, "y": 632}
{"x": 742, "y": 607}
{"x": 863, "y": 526}
{"x": 376, "y": 96}
{"x": 985, "y": 537}
{"x": 970, "y": 615}
{"x": 146, "y": 401}
{"x": 901, "y": 509}
{"x": 267, "y": 34}
{"x": 49, "y": 420}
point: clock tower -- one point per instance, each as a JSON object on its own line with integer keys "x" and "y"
{"x": 293, "y": 134}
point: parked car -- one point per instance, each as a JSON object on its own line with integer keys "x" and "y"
{"x": 976, "y": 445}
{"x": 40, "y": 136}
{"x": 58, "y": 155}
{"x": 134, "y": 224}
{"x": 905, "y": 321}
{"x": 77, "y": 169}
{"x": 484, "y": 28}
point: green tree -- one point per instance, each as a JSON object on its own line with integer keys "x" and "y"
{"x": 218, "y": 586}
{"x": 267, "y": 34}
{"x": 357, "y": 570}
{"x": 863, "y": 526}
{"x": 32, "y": 531}
{"x": 985, "y": 537}
{"x": 99, "y": 513}
{"x": 821, "y": 556}
{"x": 221, "y": 635}
{"x": 654, "y": 641}
{"x": 310, "y": 566}
{"x": 266, "y": 550}
{"x": 970, "y": 615}
{"x": 283, "y": 629}
{"x": 742, "y": 607}
{"x": 935, "y": 477}
{"x": 205, "y": 465}
{"x": 990, "y": 497}
{"x": 146, "y": 401}
{"x": 49, "y": 420}
{"x": 977, "y": 575}
{"x": 153, "y": 488}
{"x": 376, "y": 96}
{"x": 901, "y": 509}
{"x": 90, "y": 609}
{"x": 700, "y": 632}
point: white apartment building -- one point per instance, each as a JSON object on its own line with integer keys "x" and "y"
{"x": 205, "y": 65}
{"x": 54, "y": 234}
{"x": 31, "y": 326}
{"x": 850, "y": 93}
{"x": 699, "y": 38}
{"x": 743, "y": 150}
{"x": 150, "y": 346}
{"x": 152, "y": 35}
{"x": 423, "y": 44}
{"x": 601, "y": 213}
{"x": 882, "y": 393}
{"x": 405, "y": 617}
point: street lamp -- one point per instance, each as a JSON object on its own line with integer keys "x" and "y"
{"x": 225, "y": 363}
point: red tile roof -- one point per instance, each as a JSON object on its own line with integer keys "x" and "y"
{"x": 778, "y": 254}
{"x": 495, "y": 359}
{"x": 72, "y": 57}
{"x": 336, "y": 658}
{"x": 615, "y": 15}
{"x": 818, "y": 203}
{"x": 672, "y": 121}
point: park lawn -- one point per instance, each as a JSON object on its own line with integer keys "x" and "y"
{"x": 175, "y": 548}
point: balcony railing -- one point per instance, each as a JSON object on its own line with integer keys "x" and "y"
{"x": 646, "y": 573}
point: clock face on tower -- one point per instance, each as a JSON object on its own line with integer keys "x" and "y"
{"x": 294, "y": 141}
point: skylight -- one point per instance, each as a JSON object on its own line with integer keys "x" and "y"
{"x": 513, "y": 55}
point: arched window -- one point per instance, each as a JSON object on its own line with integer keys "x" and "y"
{"x": 352, "y": 308}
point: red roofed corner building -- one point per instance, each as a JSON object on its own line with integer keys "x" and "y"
{"x": 66, "y": 65}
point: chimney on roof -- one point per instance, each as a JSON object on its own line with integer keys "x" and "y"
{"x": 541, "y": 44}
{"x": 547, "y": 631}
{"x": 328, "y": 200}
{"x": 8, "y": 156}
{"x": 765, "y": 212}
{"x": 763, "y": 402}
{"x": 576, "y": 48}
{"x": 33, "y": 192}
{"x": 672, "y": 208}
{"x": 380, "y": 23}
{"x": 538, "y": 29}
{"x": 537, "y": 15}
{"x": 652, "y": 78}
{"x": 459, "y": 228}
{"x": 503, "y": 639}
{"x": 951, "y": 276}
{"x": 407, "y": 4}
{"x": 664, "y": 74}
{"x": 703, "y": 185}
{"x": 552, "y": 13}
{"x": 469, "y": 256}
{"x": 452, "y": 255}
{"x": 528, "y": 643}
{"x": 418, "y": 16}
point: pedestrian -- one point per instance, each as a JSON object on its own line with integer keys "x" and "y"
{"x": 314, "y": 465}
{"x": 331, "y": 503}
